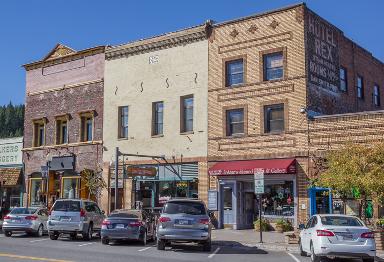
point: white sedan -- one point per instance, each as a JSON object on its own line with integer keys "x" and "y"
{"x": 337, "y": 236}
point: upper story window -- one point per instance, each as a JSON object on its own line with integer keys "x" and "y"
{"x": 157, "y": 118}
{"x": 123, "y": 122}
{"x": 360, "y": 87}
{"x": 86, "y": 132}
{"x": 235, "y": 122}
{"x": 274, "y": 118}
{"x": 376, "y": 95}
{"x": 343, "y": 79}
{"x": 61, "y": 130}
{"x": 273, "y": 66}
{"x": 186, "y": 120}
{"x": 39, "y": 132}
{"x": 234, "y": 72}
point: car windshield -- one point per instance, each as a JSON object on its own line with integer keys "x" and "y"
{"x": 21, "y": 210}
{"x": 127, "y": 214}
{"x": 185, "y": 207}
{"x": 341, "y": 221}
{"x": 67, "y": 206}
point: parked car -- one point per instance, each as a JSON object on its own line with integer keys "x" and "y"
{"x": 184, "y": 220}
{"x": 30, "y": 220}
{"x": 129, "y": 224}
{"x": 74, "y": 216}
{"x": 337, "y": 236}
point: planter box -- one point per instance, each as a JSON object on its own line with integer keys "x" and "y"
{"x": 291, "y": 237}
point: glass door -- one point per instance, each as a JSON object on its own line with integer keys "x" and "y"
{"x": 228, "y": 204}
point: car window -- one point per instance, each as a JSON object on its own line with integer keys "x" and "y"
{"x": 23, "y": 211}
{"x": 67, "y": 206}
{"x": 309, "y": 223}
{"x": 314, "y": 222}
{"x": 341, "y": 221}
{"x": 97, "y": 209}
{"x": 185, "y": 207}
{"x": 89, "y": 207}
{"x": 127, "y": 214}
{"x": 44, "y": 212}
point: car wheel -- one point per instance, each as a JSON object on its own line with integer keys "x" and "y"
{"x": 370, "y": 259}
{"x": 39, "y": 232}
{"x": 54, "y": 236}
{"x": 144, "y": 238}
{"x": 72, "y": 236}
{"x": 302, "y": 252}
{"x": 88, "y": 235}
{"x": 105, "y": 241}
{"x": 160, "y": 244}
{"x": 8, "y": 233}
{"x": 207, "y": 246}
{"x": 314, "y": 258}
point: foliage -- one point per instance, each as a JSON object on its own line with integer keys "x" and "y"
{"x": 93, "y": 182}
{"x": 284, "y": 224}
{"x": 265, "y": 225}
{"x": 11, "y": 120}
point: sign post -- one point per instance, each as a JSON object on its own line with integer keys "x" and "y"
{"x": 259, "y": 190}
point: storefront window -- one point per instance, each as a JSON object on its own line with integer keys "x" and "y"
{"x": 36, "y": 192}
{"x": 278, "y": 199}
{"x": 193, "y": 189}
{"x": 70, "y": 188}
{"x": 227, "y": 192}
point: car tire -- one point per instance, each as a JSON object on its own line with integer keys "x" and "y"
{"x": 105, "y": 241}
{"x": 314, "y": 258}
{"x": 302, "y": 252}
{"x": 87, "y": 236}
{"x": 160, "y": 244}
{"x": 207, "y": 246}
{"x": 8, "y": 233}
{"x": 144, "y": 238}
{"x": 369, "y": 259}
{"x": 54, "y": 236}
{"x": 40, "y": 231}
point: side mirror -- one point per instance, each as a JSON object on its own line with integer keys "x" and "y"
{"x": 301, "y": 226}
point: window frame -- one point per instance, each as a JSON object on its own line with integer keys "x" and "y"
{"x": 376, "y": 96}
{"x": 155, "y": 122}
{"x": 345, "y": 80}
{"x": 37, "y": 141}
{"x": 183, "y": 115}
{"x": 264, "y": 54}
{"x": 265, "y": 120}
{"x": 83, "y": 126}
{"x": 226, "y": 124}
{"x": 59, "y": 138}
{"x": 360, "y": 88}
{"x": 120, "y": 126}
{"x": 227, "y": 75}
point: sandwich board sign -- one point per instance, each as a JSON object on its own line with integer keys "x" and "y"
{"x": 259, "y": 181}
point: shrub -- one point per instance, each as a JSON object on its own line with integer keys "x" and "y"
{"x": 264, "y": 225}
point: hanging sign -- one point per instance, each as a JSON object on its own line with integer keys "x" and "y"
{"x": 259, "y": 181}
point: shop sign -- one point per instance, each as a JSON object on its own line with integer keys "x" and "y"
{"x": 10, "y": 151}
{"x": 212, "y": 200}
{"x": 259, "y": 181}
{"x": 141, "y": 171}
{"x": 322, "y": 53}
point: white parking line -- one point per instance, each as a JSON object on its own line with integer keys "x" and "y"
{"x": 141, "y": 250}
{"x": 33, "y": 241}
{"x": 86, "y": 244}
{"x": 294, "y": 258}
{"x": 214, "y": 253}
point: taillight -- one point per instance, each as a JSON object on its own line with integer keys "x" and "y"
{"x": 164, "y": 219}
{"x": 31, "y": 217}
{"x": 7, "y": 217}
{"x": 325, "y": 233}
{"x": 82, "y": 212}
{"x": 204, "y": 221}
{"x": 368, "y": 235}
{"x": 136, "y": 224}
{"x": 106, "y": 223}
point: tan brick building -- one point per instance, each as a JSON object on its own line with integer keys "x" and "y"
{"x": 284, "y": 86}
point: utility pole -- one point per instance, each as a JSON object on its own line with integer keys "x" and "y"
{"x": 116, "y": 175}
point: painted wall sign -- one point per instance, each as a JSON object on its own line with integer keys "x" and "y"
{"x": 10, "y": 151}
{"x": 322, "y": 53}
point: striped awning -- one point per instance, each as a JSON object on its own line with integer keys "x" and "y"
{"x": 9, "y": 176}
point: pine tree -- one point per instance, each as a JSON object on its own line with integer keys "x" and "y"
{"x": 11, "y": 120}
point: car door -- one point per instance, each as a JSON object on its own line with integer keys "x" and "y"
{"x": 305, "y": 237}
{"x": 311, "y": 232}
{"x": 43, "y": 216}
{"x": 99, "y": 217}
{"x": 90, "y": 212}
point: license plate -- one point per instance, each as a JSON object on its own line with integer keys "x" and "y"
{"x": 16, "y": 221}
{"x": 120, "y": 226}
{"x": 64, "y": 218}
{"x": 183, "y": 222}
{"x": 346, "y": 237}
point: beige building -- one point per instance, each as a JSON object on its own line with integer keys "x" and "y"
{"x": 155, "y": 103}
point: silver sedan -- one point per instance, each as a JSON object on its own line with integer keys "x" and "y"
{"x": 29, "y": 220}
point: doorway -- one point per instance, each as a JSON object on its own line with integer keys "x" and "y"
{"x": 228, "y": 204}
{"x": 320, "y": 200}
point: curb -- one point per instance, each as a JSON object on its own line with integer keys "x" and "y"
{"x": 264, "y": 246}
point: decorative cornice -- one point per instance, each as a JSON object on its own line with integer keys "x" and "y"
{"x": 168, "y": 40}
{"x": 63, "y": 146}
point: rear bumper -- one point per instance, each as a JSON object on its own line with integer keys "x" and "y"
{"x": 365, "y": 249}
{"x": 20, "y": 228}
{"x": 184, "y": 235}
{"x": 70, "y": 227}
{"x": 120, "y": 234}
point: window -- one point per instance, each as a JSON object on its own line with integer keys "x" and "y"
{"x": 157, "y": 118}
{"x": 39, "y": 133}
{"x": 36, "y": 192}
{"x": 273, "y": 66}
{"x": 279, "y": 199}
{"x": 70, "y": 187}
{"x": 186, "y": 104}
{"x": 235, "y": 122}
{"x": 86, "y": 127}
{"x": 123, "y": 122}
{"x": 360, "y": 87}
{"x": 376, "y": 95}
{"x": 61, "y": 131}
{"x": 274, "y": 118}
{"x": 234, "y": 72}
{"x": 343, "y": 79}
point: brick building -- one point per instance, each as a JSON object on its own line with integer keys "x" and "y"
{"x": 284, "y": 86}
{"x": 63, "y": 123}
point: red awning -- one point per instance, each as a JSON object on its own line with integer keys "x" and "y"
{"x": 269, "y": 166}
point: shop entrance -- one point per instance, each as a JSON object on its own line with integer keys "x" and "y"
{"x": 320, "y": 200}
{"x": 228, "y": 204}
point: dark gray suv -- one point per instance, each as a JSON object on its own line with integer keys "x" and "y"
{"x": 184, "y": 220}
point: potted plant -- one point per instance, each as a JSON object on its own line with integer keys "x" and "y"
{"x": 263, "y": 224}
{"x": 283, "y": 225}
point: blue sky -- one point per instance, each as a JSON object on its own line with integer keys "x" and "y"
{"x": 30, "y": 29}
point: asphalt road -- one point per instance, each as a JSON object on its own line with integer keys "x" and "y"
{"x": 24, "y": 248}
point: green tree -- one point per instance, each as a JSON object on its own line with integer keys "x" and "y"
{"x": 93, "y": 182}
{"x": 11, "y": 120}
{"x": 355, "y": 170}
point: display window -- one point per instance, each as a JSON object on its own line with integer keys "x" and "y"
{"x": 278, "y": 199}
{"x": 36, "y": 190}
{"x": 70, "y": 187}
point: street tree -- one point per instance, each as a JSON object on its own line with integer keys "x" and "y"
{"x": 92, "y": 182}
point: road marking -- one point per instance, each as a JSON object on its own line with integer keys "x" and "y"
{"x": 33, "y": 241}
{"x": 294, "y": 258}
{"x": 33, "y": 258}
{"x": 214, "y": 253}
{"x": 141, "y": 250}
{"x": 86, "y": 244}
